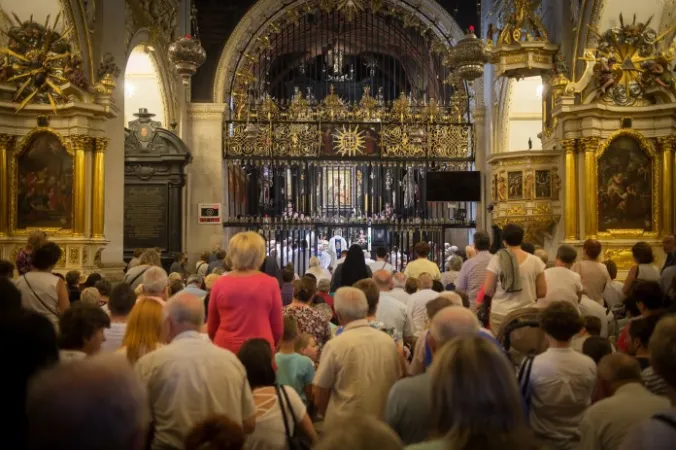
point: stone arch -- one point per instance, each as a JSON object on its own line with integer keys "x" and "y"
{"x": 254, "y": 21}
{"x": 168, "y": 89}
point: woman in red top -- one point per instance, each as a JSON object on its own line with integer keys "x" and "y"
{"x": 246, "y": 303}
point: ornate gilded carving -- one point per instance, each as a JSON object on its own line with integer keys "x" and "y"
{"x": 628, "y": 63}
{"x": 39, "y": 61}
{"x": 349, "y": 141}
{"x": 622, "y": 257}
{"x": 521, "y": 48}
{"x": 74, "y": 255}
{"x": 6, "y": 143}
{"x": 160, "y": 16}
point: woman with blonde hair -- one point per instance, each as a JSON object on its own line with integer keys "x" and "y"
{"x": 35, "y": 240}
{"x": 476, "y": 403}
{"x": 144, "y": 329}
{"x": 246, "y": 303}
{"x": 317, "y": 270}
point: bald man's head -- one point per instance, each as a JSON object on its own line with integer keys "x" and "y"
{"x": 426, "y": 281}
{"x": 383, "y": 279}
{"x": 452, "y": 322}
{"x": 185, "y": 312}
{"x": 399, "y": 280}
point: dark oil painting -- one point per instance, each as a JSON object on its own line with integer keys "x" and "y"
{"x": 515, "y": 185}
{"x": 45, "y": 185}
{"x": 625, "y": 186}
{"x": 543, "y": 184}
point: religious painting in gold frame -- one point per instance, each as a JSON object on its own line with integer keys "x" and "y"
{"x": 627, "y": 199}
{"x": 43, "y": 180}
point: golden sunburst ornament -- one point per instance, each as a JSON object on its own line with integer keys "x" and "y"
{"x": 39, "y": 60}
{"x": 349, "y": 141}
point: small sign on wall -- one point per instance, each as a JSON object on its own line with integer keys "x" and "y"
{"x": 209, "y": 213}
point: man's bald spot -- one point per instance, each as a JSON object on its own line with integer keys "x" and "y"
{"x": 426, "y": 281}
{"x": 382, "y": 278}
{"x": 451, "y": 322}
{"x": 619, "y": 367}
{"x": 186, "y": 308}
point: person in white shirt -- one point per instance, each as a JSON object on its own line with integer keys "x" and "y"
{"x": 381, "y": 262}
{"x": 562, "y": 283}
{"x": 391, "y": 312}
{"x": 155, "y": 285}
{"x": 589, "y": 307}
{"x": 561, "y": 380}
{"x": 422, "y": 265}
{"x": 121, "y": 302}
{"x": 514, "y": 279}
{"x": 202, "y": 265}
{"x": 416, "y": 305}
{"x": 613, "y": 294}
{"x": 627, "y": 402}
{"x": 192, "y": 379}
{"x": 398, "y": 291}
{"x": 317, "y": 270}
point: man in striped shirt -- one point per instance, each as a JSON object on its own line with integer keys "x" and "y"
{"x": 473, "y": 272}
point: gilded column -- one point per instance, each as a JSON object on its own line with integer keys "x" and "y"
{"x": 666, "y": 145}
{"x": 571, "y": 213}
{"x": 6, "y": 142}
{"x": 98, "y": 186}
{"x": 590, "y": 145}
{"x": 79, "y": 205}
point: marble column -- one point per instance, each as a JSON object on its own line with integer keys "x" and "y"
{"x": 205, "y": 177}
{"x": 110, "y": 38}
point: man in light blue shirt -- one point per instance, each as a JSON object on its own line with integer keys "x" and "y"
{"x": 473, "y": 272}
{"x": 193, "y": 287}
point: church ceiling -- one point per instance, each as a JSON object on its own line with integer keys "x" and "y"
{"x": 217, "y": 19}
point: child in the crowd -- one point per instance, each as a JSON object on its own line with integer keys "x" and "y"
{"x": 294, "y": 369}
{"x": 307, "y": 346}
{"x": 613, "y": 294}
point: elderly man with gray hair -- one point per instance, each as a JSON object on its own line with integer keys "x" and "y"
{"x": 155, "y": 283}
{"x": 409, "y": 402}
{"x": 97, "y": 403}
{"x": 358, "y": 354}
{"x": 190, "y": 379}
{"x": 398, "y": 291}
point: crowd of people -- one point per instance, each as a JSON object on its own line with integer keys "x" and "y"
{"x": 503, "y": 349}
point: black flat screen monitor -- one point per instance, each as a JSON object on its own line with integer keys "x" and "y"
{"x": 453, "y": 186}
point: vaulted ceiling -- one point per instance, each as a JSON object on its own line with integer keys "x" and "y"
{"x": 218, "y": 18}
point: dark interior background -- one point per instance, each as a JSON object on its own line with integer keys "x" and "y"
{"x": 218, "y": 18}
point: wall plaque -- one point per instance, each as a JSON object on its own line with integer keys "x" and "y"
{"x": 145, "y": 216}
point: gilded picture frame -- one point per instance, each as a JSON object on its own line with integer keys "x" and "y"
{"x": 656, "y": 177}
{"x": 14, "y": 156}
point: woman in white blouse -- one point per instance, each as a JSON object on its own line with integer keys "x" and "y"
{"x": 271, "y": 432}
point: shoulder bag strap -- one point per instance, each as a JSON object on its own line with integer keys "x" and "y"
{"x": 667, "y": 420}
{"x": 200, "y": 266}
{"x": 47, "y": 307}
{"x": 288, "y": 403}
{"x": 131, "y": 283}
{"x": 281, "y": 407}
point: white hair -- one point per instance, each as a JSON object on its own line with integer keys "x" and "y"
{"x": 365, "y": 433}
{"x": 97, "y": 402}
{"x": 314, "y": 261}
{"x": 455, "y": 299}
{"x": 155, "y": 280}
{"x": 90, "y": 296}
{"x": 351, "y": 303}
{"x": 452, "y": 322}
{"x": 399, "y": 280}
{"x": 186, "y": 309}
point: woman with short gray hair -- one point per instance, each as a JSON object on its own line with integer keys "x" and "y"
{"x": 453, "y": 267}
